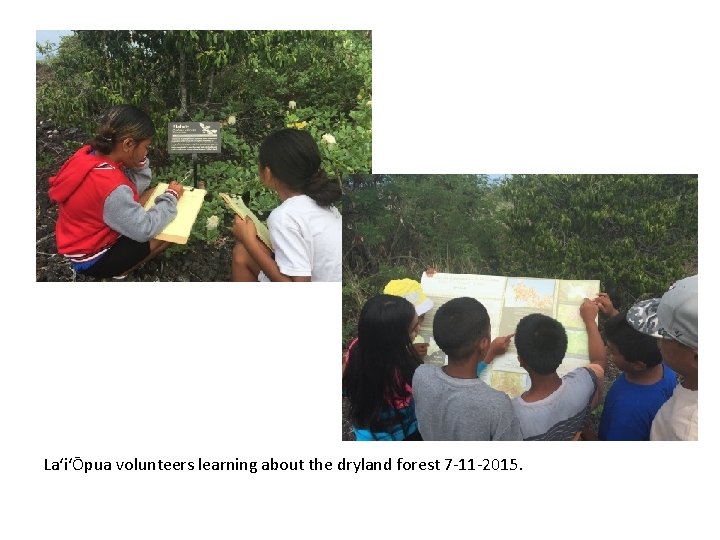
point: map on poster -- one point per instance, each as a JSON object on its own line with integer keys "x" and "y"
{"x": 507, "y": 300}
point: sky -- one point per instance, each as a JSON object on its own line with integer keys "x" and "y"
{"x": 53, "y": 36}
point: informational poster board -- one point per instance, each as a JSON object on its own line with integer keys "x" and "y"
{"x": 507, "y": 300}
{"x": 194, "y": 137}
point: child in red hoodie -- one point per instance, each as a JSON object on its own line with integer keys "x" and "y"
{"x": 102, "y": 227}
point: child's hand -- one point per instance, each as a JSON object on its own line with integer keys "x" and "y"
{"x": 588, "y": 310}
{"x": 498, "y": 346}
{"x": 605, "y": 304}
{"x": 244, "y": 230}
{"x": 177, "y": 187}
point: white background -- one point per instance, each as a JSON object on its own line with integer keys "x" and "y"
{"x": 116, "y": 371}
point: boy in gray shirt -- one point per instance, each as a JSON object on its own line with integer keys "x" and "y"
{"x": 451, "y": 403}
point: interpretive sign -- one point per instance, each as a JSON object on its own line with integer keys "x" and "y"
{"x": 194, "y": 137}
{"x": 507, "y": 300}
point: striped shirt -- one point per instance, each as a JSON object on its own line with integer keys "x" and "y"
{"x": 562, "y": 414}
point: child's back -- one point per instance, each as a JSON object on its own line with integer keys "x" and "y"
{"x": 559, "y": 416}
{"x": 451, "y": 403}
{"x": 452, "y": 409}
{"x": 307, "y": 238}
{"x": 630, "y": 408}
{"x": 556, "y": 408}
{"x": 379, "y": 368}
{"x": 306, "y": 229}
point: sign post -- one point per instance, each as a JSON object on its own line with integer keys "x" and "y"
{"x": 194, "y": 138}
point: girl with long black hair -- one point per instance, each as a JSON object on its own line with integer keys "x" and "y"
{"x": 379, "y": 368}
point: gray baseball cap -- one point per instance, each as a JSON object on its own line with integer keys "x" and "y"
{"x": 674, "y": 316}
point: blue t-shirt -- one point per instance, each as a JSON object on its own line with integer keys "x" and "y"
{"x": 630, "y": 408}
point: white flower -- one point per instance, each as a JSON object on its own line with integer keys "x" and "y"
{"x": 369, "y": 103}
{"x": 212, "y": 223}
{"x": 329, "y": 139}
{"x": 231, "y": 120}
{"x": 292, "y": 105}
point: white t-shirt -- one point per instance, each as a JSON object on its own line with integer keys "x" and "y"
{"x": 307, "y": 239}
{"x": 559, "y": 416}
{"x": 677, "y": 418}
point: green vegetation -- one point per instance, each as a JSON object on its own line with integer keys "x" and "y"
{"x": 635, "y": 233}
{"x": 253, "y": 82}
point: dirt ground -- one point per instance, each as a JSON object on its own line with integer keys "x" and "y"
{"x": 197, "y": 261}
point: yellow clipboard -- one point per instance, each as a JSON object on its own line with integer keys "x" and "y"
{"x": 237, "y": 205}
{"x": 188, "y": 208}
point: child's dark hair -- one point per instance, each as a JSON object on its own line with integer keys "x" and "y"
{"x": 294, "y": 158}
{"x": 382, "y": 363}
{"x": 459, "y": 325}
{"x": 633, "y": 345}
{"x": 120, "y": 123}
{"x": 541, "y": 342}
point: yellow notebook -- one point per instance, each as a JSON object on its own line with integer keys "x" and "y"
{"x": 188, "y": 207}
{"x": 237, "y": 205}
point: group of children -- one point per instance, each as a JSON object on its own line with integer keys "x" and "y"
{"x": 394, "y": 396}
{"x": 104, "y": 230}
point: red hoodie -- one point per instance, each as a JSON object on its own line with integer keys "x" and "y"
{"x": 80, "y": 189}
